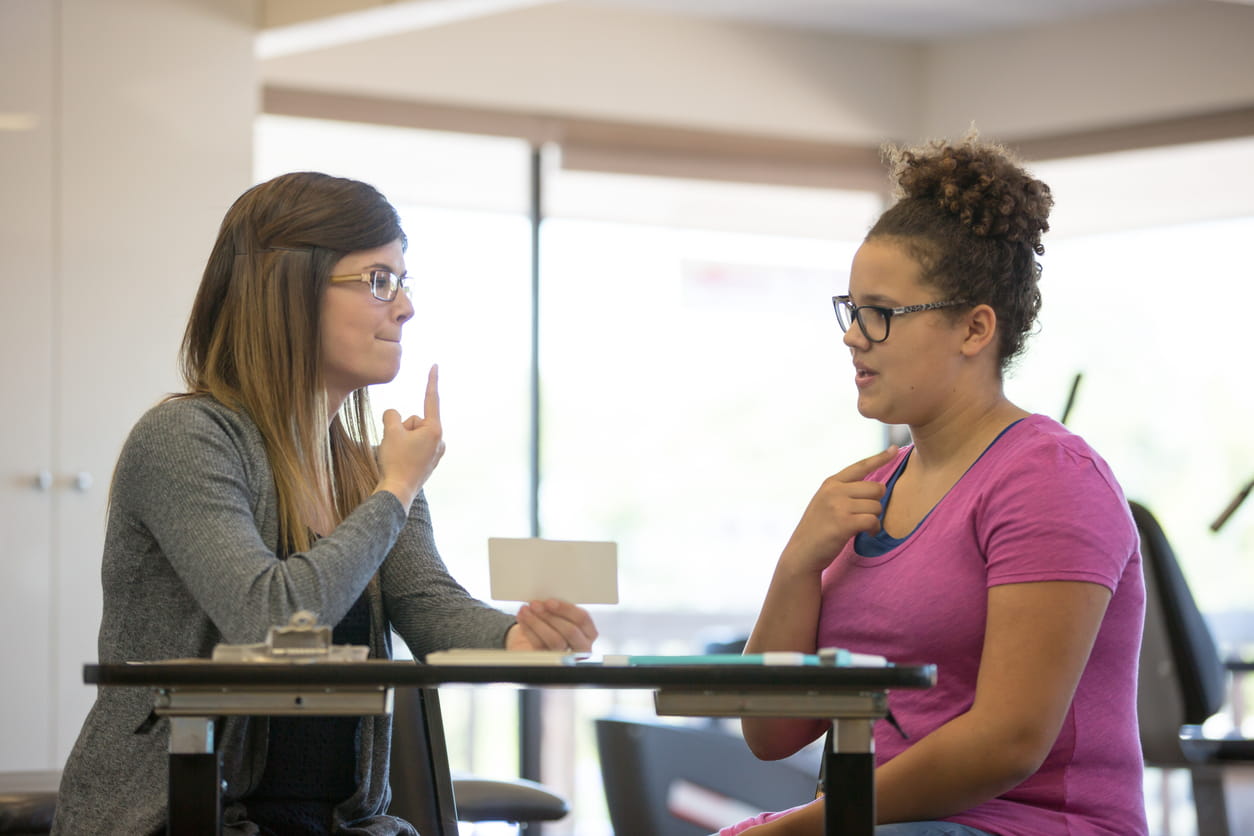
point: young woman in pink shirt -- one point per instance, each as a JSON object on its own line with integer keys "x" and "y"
{"x": 997, "y": 545}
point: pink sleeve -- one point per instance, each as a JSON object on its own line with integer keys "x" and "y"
{"x": 1059, "y": 515}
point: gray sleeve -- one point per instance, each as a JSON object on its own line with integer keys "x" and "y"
{"x": 197, "y": 479}
{"x": 427, "y": 607}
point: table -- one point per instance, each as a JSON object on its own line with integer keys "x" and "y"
{"x": 191, "y": 693}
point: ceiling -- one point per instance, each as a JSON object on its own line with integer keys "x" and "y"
{"x": 908, "y": 19}
{"x": 292, "y": 26}
{"x": 1088, "y": 74}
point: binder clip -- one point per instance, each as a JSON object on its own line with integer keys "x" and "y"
{"x": 301, "y": 640}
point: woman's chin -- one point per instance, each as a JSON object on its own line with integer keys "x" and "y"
{"x": 867, "y": 408}
{"x": 878, "y": 411}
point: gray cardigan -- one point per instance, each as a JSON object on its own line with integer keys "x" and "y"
{"x": 189, "y": 561}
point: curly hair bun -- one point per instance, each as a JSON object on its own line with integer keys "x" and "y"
{"x": 980, "y": 183}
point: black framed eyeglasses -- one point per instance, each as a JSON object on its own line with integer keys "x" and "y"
{"x": 384, "y": 284}
{"x": 874, "y": 319}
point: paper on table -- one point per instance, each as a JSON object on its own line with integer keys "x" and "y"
{"x": 527, "y": 658}
{"x": 531, "y": 569}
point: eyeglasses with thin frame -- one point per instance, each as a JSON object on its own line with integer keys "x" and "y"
{"x": 384, "y": 284}
{"x": 874, "y": 319}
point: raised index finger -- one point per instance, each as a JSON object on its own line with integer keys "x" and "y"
{"x": 431, "y": 403}
{"x": 858, "y": 471}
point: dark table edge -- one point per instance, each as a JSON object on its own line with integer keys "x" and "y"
{"x": 401, "y": 674}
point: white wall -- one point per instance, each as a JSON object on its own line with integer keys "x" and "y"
{"x": 139, "y": 138}
{"x": 28, "y": 271}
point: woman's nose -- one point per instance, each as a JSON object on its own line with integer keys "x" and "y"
{"x": 403, "y": 307}
{"x": 854, "y": 338}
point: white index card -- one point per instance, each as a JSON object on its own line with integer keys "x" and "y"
{"x": 532, "y": 569}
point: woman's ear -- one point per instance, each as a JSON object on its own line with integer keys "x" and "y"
{"x": 981, "y": 324}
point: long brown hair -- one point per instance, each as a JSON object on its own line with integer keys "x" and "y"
{"x": 253, "y": 337}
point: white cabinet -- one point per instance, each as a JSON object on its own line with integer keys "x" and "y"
{"x": 125, "y": 132}
{"x": 28, "y": 284}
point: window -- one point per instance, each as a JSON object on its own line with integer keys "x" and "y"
{"x": 695, "y": 387}
{"x": 696, "y": 392}
{"x": 1147, "y": 293}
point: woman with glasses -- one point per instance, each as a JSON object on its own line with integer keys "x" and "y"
{"x": 998, "y": 545}
{"x": 259, "y": 493}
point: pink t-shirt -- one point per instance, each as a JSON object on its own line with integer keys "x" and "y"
{"x": 1039, "y": 505}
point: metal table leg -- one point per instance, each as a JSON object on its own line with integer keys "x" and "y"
{"x": 849, "y": 779}
{"x": 195, "y": 779}
{"x": 849, "y": 765}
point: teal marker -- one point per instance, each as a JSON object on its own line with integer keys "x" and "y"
{"x": 833, "y": 656}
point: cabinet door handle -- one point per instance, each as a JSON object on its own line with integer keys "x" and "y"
{"x": 83, "y": 481}
{"x": 42, "y": 481}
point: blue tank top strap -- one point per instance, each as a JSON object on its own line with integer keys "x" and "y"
{"x": 874, "y": 545}
{"x": 880, "y": 543}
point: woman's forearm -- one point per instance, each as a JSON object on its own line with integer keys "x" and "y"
{"x": 959, "y": 766}
{"x": 788, "y": 621}
{"x": 954, "y": 769}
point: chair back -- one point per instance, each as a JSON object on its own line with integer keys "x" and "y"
{"x": 422, "y": 786}
{"x": 1182, "y": 678}
{"x": 667, "y": 780}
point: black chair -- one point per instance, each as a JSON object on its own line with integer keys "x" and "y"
{"x": 27, "y": 802}
{"x": 1182, "y": 682}
{"x": 428, "y": 796}
{"x": 668, "y": 780}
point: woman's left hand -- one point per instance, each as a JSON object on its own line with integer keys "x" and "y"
{"x": 551, "y": 625}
